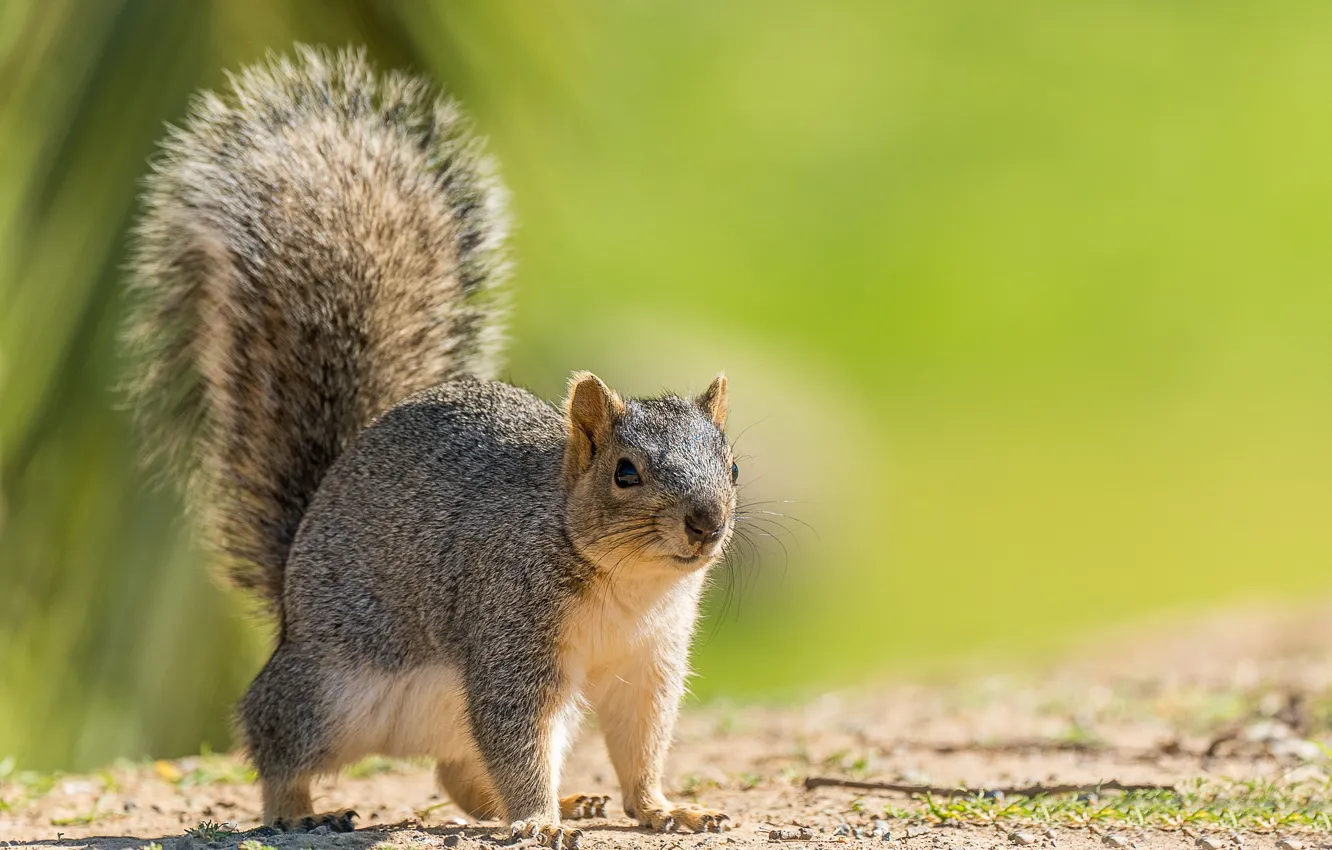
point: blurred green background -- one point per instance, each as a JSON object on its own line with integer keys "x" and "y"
{"x": 1026, "y": 310}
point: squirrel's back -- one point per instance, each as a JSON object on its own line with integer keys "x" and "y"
{"x": 316, "y": 245}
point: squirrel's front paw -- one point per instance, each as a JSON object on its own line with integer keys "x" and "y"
{"x": 684, "y": 818}
{"x": 340, "y": 821}
{"x": 553, "y": 836}
{"x": 583, "y": 806}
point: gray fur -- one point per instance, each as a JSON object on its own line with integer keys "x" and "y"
{"x": 451, "y": 562}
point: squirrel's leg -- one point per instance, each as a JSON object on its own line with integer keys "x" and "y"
{"x": 289, "y": 739}
{"x": 467, "y": 784}
{"x": 637, "y": 705}
{"x": 519, "y": 720}
{"x": 289, "y": 802}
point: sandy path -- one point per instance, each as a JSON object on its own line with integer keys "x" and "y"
{"x": 1252, "y": 687}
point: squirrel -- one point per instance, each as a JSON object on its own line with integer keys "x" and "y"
{"x": 456, "y": 567}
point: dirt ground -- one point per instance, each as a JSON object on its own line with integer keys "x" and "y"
{"x": 1241, "y": 702}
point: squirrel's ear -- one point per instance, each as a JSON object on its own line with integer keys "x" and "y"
{"x": 592, "y": 408}
{"x": 714, "y": 402}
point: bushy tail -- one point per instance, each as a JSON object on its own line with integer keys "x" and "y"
{"x": 317, "y": 243}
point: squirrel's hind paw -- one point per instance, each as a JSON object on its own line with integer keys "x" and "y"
{"x": 685, "y": 819}
{"x": 583, "y": 806}
{"x": 553, "y": 836}
{"x": 340, "y": 821}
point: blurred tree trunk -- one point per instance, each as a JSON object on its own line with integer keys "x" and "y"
{"x": 112, "y": 640}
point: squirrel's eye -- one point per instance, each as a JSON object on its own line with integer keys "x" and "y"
{"x": 626, "y": 474}
{"x": 735, "y": 472}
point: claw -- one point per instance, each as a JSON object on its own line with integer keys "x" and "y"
{"x": 554, "y": 837}
{"x": 583, "y": 806}
{"x": 685, "y": 819}
{"x": 341, "y": 821}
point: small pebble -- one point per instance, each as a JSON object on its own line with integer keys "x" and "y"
{"x": 1114, "y": 839}
{"x": 1022, "y": 838}
{"x": 917, "y": 831}
{"x": 842, "y": 829}
{"x": 1050, "y": 833}
{"x": 452, "y": 840}
{"x": 1289, "y": 844}
{"x": 880, "y": 829}
{"x": 802, "y": 834}
{"x": 1208, "y": 842}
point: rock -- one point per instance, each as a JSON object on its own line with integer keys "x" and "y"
{"x": 1208, "y": 842}
{"x": 452, "y": 840}
{"x": 1306, "y": 773}
{"x": 1296, "y": 748}
{"x": 917, "y": 831}
{"x": 879, "y": 829}
{"x": 322, "y": 829}
{"x": 842, "y": 829}
{"x": 1115, "y": 839}
{"x": 804, "y": 833}
{"x": 1289, "y": 844}
{"x": 1266, "y": 730}
{"x": 1022, "y": 838}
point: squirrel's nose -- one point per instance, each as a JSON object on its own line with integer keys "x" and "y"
{"x": 704, "y": 526}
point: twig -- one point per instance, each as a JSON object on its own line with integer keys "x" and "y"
{"x": 813, "y": 782}
{"x": 1019, "y": 745}
{"x": 1214, "y": 748}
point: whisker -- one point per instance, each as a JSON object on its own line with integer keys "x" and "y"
{"x": 768, "y": 526}
{"x": 786, "y": 553}
{"x": 738, "y": 437}
{"x": 793, "y": 519}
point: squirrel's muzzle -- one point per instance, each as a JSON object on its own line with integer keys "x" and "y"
{"x": 706, "y": 525}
